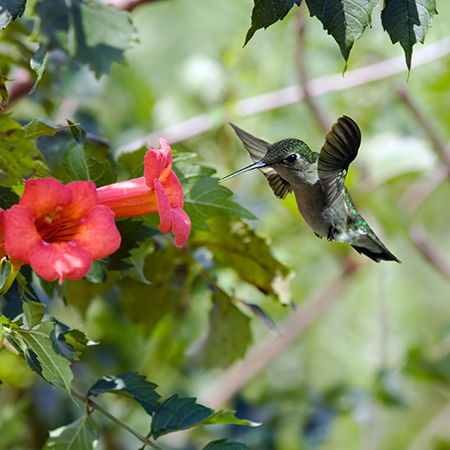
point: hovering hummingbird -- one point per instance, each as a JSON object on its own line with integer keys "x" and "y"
{"x": 317, "y": 180}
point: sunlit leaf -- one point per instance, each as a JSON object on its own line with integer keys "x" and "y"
{"x": 79, "y": 435}
{"x": 38, "y": 348}
{"x": 228, "y": 416}
{"x": 33, "y": 313}
{"x": 36, "y": 128}
{"x": 178, "y": 414}
{"x": 39, "y": 63}
{"x": 18, "y": 156}
{"x": 130, "y": 383}
{"x": 407, "y": 22}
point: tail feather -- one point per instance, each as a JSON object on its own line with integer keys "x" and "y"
{"x": 382, "y": 255}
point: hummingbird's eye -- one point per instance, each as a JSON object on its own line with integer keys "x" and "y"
{"x": 291, "y": 158}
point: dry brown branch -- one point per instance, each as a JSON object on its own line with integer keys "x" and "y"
{"x": 430, "y": 251}
{"x": 293, "y": 94}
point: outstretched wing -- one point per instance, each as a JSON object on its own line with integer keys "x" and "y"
{"x": 257, "y": 148}
{"x": 339, "y": 150}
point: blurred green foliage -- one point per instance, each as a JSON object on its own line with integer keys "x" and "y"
{"x": 371, "y": 371}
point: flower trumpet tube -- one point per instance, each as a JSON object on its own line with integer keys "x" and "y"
{"x": 59, "y": 230}
{"x": 158, "y": 191}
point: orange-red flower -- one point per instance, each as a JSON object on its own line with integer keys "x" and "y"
{"x": 159, "y": 190}
{"x": 59, "y": 230}
{"x": 2, "y": 231}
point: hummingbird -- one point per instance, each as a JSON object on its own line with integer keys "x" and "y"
{"x": 317, "y": 181}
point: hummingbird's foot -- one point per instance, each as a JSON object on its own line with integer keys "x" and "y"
{"x": 331, "y": 234}
{"x": 320, "y": 237}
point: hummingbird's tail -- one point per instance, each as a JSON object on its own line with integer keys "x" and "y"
{"x": 374, "y": 249}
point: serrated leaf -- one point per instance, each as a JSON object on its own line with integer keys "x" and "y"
{"x": 235, "y": 245}
{"x": 407, "y": 22}
{"x": 36, "y": 128}
{"x": 228, "y": 336}
{"x": 39, "y": 63}
{"x": 133, "y": 160}
{"x": 130, "y": 383}
{"x": 10, "y": 10}
{"x": 33, "y": 312}
{"x": 267, "y": 12}
{"x": 223, "y": 444}
{"x": 18, "y": 156}
{"x": 203, "y": 196}
{"x": 79, "y": 435}
{"x": 92, "y": 33}
{"x": 228, "y": 417}
{"x": 345, "y": 20}
{"x": 53, "y": 368}
{"x": 176, "y": 414}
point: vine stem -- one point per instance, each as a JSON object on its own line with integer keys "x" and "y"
{"x": 94, "y": 405}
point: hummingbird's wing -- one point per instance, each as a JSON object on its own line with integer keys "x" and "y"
{"x": 257, "y": 148}
{"x": 339, "y": 150}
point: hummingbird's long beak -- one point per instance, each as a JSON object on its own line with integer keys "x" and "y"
{"x": 257, "y": 165}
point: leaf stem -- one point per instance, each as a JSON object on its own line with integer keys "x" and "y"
{"x": 94, "y": 405}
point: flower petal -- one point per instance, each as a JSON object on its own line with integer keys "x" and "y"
{"x": 173, "y": 189}
{"x": 165, "y": 211}
{"x": 129, "y": 198}
{"x": 181, "y": 225}
{"x": 21, "y": 235}
{"x": 158, "y": 164}
{"x": 44, "y": 194}
{"x": 52, "y": 261}
{"x": 84, "y": 198}
{"x": 98, "y": 234}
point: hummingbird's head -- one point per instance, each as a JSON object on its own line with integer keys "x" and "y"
{"x": 287, "y": 157}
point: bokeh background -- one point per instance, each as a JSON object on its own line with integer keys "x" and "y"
{"x": 363, "y": 362}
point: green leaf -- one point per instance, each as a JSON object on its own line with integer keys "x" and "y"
{"x": 79, "y": 435}
{"x": 80, "y": 165}
{"x": 178, "y": 414}
{"x": 203, "y": 196}
{"x": 169, "y": 277}
{"x": 69, "y": 342}
{"x": 345, "y": 20}
{"x": 267, "y": 12}
{"x": 4, "y": 94}
{"x": 223, "y": 444}
{"x": 228, "y": 336}
{"x": 228, "y": 416}
{"x": 133, "y": 160}
{"x": 41, "y": 356}
{"x": 76, "y": 165}
{"x": 8, "y": 198}
{"x": 407, "y": 22}
{"x": 34, "y": 312}
{"x": 17, "y": 154}
{"x": 36, "y": 128}
{"x": 39, "y": 63}
{"x": 10, "y": 10}
{"x": 235, "y": 245}
{"x": 91, "y": 33}
{"x": 130, "y": 383}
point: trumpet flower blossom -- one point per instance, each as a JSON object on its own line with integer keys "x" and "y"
{"x": 158, "y": 191}
{"x": 59, "y": 230}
